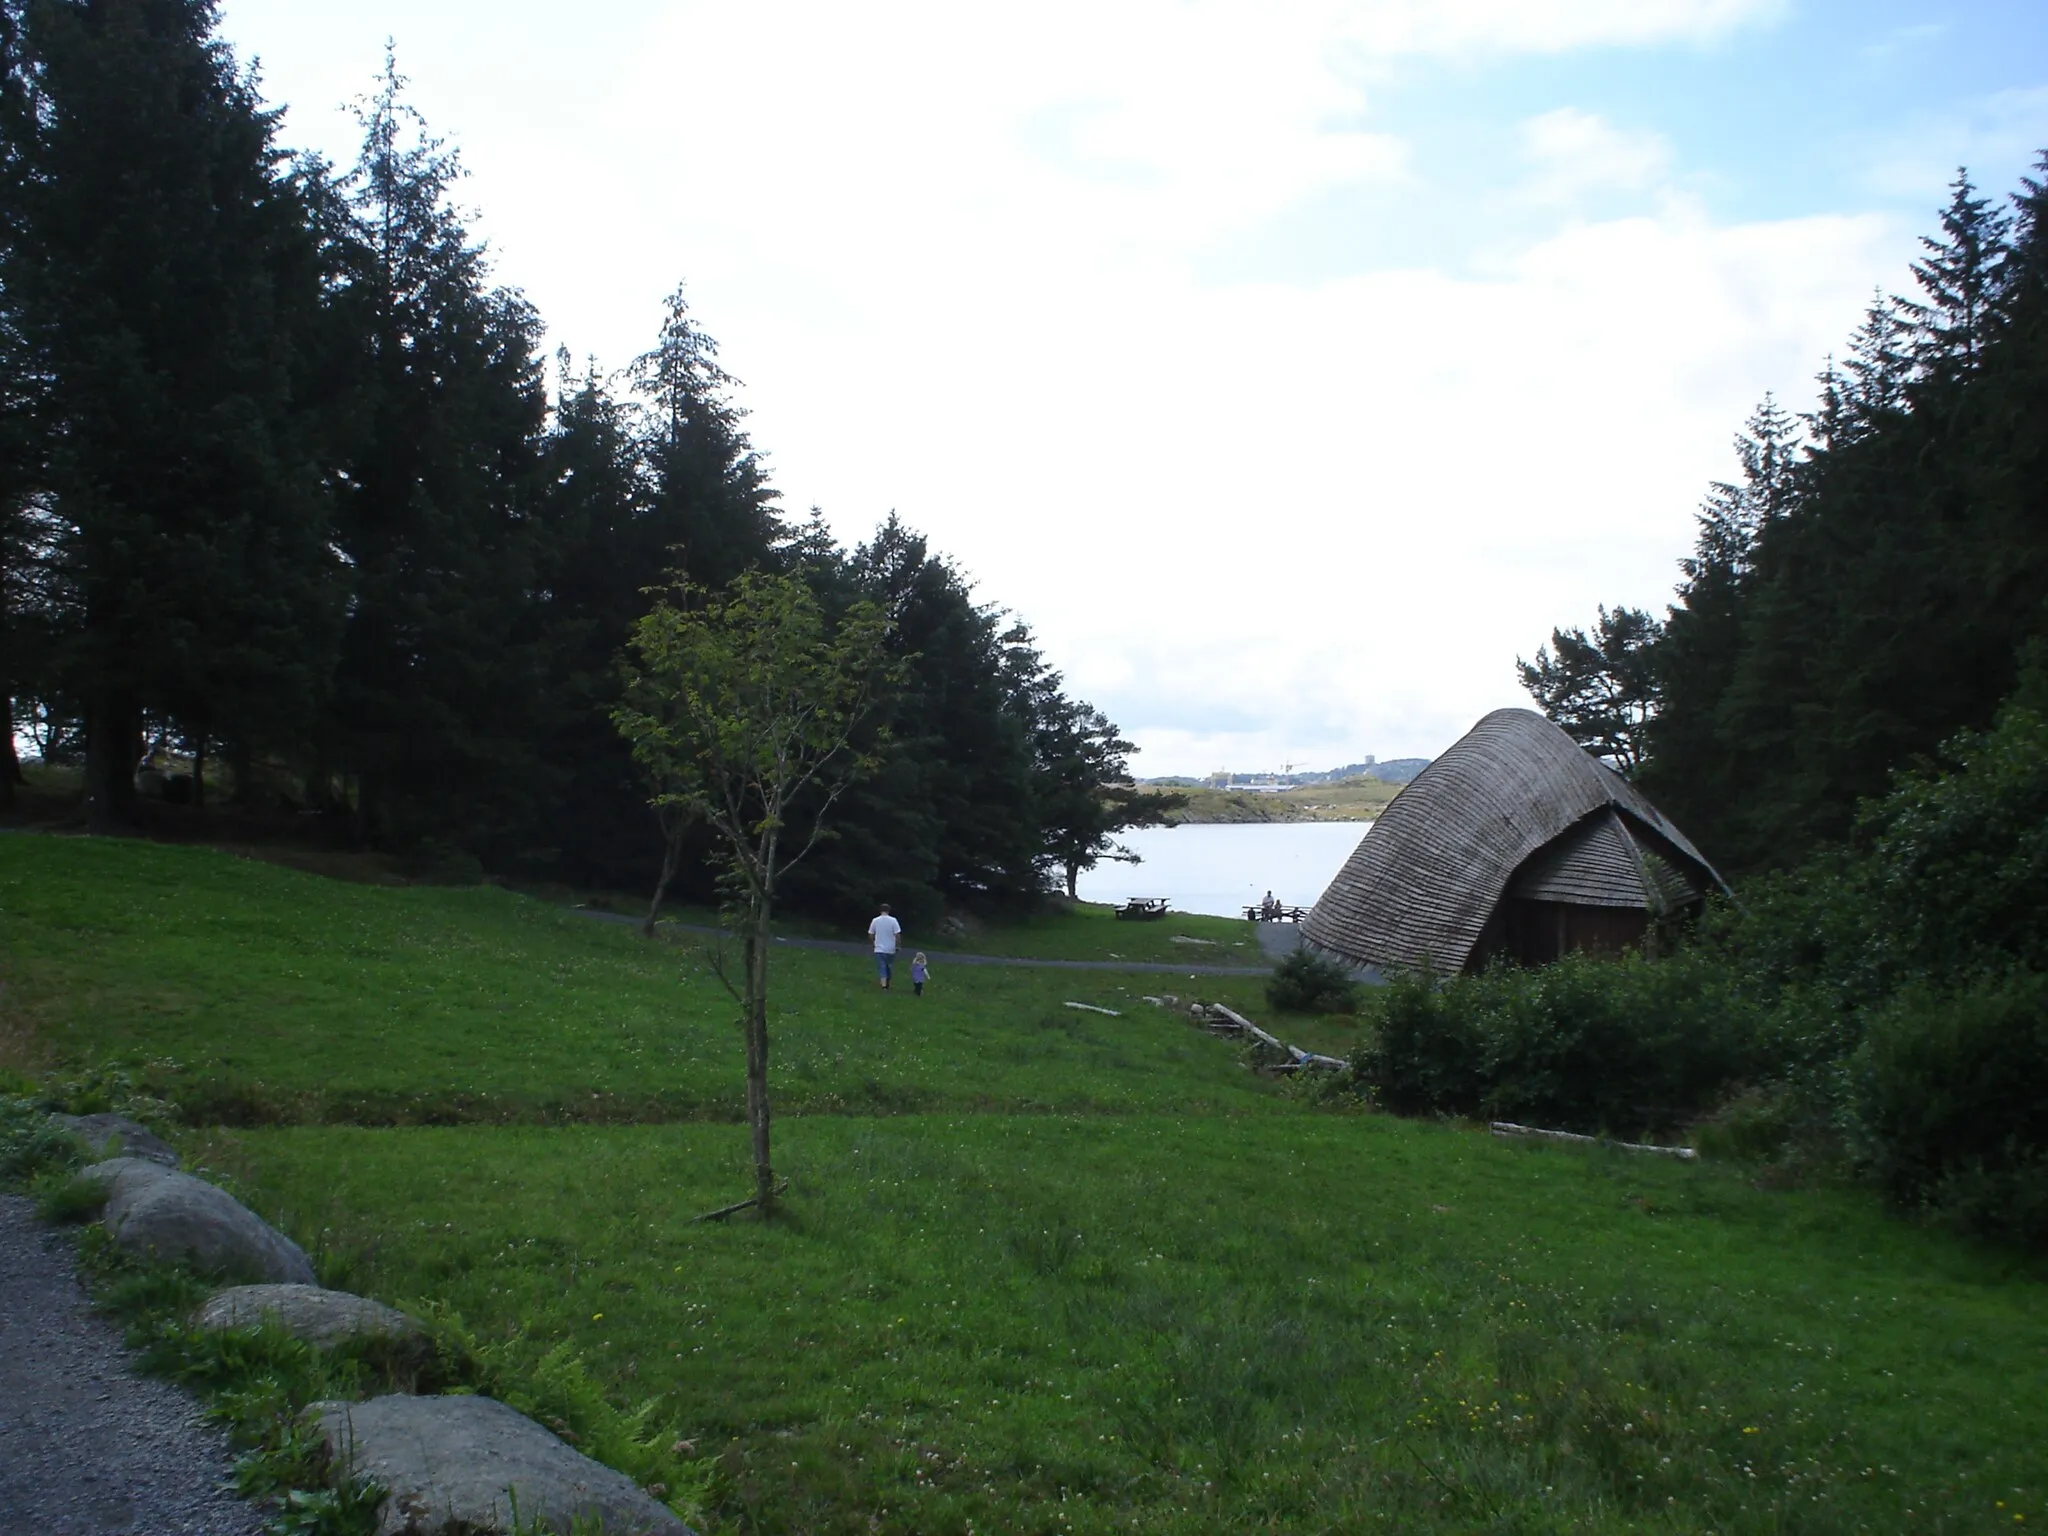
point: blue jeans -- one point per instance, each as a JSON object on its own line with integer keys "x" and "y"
{"x": 882, "y": 964}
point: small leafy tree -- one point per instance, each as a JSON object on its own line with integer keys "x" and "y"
{"x": 736, "y": 704}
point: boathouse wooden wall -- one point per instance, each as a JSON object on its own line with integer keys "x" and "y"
{"x": 1514, "y": 799}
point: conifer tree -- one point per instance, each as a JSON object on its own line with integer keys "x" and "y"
{"x": 433, "y": 719}
{"x": 1600, "y": 687}
{"x": 1962, "y": 276}
{"x": 710, "y": 493}
{"x": 157, "y": 275}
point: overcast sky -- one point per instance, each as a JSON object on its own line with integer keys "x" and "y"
{"x": 1290, "y": 366}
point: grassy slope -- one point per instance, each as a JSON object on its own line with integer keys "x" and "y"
{"x": 1083, "y": 932}
{"x": 280, "y": 994}
{"x": 1195, "y": 1305}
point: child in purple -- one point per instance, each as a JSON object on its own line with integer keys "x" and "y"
{"x": 920, "y": 971}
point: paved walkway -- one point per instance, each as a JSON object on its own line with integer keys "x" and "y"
{"x": 949, "y": 957}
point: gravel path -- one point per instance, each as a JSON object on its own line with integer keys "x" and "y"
{"x": 87, "y": 1446}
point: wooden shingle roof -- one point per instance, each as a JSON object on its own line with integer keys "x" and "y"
{"x": 1514, "y": 801}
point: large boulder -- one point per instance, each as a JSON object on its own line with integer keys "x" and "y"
{"x": 451, "y": 1464}
{"x": 158, "y": 1213}
{"x": 130, "y": 1172}
{"x": 133, "y": 1138}
{"x": 319, "y": 1317}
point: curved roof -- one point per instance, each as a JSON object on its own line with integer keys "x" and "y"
{"x": 1422, "y": 883}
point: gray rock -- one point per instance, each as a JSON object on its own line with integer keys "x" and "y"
{"x": 115, "y": 1172}
{"x": 321, "y": 1318}
{"x": 460, "y": 1463}
{"x": 136, "y": 1139}
{"x": 156, "y": 1212}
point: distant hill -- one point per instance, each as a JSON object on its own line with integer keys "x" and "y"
{"x": 1396, "y": 771}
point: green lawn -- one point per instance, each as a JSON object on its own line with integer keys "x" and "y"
{"x": 1163, "y": 1323}
{"x": 1083, "y": 931}
{"x": 1042, "y": 1270}
{"x": 281, "y": 995}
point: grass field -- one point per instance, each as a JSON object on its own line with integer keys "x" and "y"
{"x": 278, "y": 995}
{"x": 1080, "y": 932}
{"x": 1084, "y": 1275}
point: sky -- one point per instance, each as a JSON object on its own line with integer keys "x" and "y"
{"x": 1291, "y": 368}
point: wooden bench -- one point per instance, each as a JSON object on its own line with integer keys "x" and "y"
{"x": 1256, "y": 913}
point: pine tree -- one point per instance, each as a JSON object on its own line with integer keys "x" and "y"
{"x": 158, "y": 275}
{"x": 1688, "y": 762}
{"x": 711, "y": 496}
{"x": 1825, "y": 637}
{"x": 600, "y": 545}
{"x": 1600, "y": 687}
{"x": 1963, "y": 278}
{"x": 1082, "y": 792}
{"x": 443, "y": 414}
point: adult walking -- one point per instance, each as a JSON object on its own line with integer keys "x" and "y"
{"x": 885, "y": 931}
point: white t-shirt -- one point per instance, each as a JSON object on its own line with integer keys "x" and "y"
{"x": 884, "y": 930}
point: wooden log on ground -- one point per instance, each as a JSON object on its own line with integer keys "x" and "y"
{"x": 1247, "y": 1026}
{"x": 1091, "y": 1008}
{"x": 1509, "y": 1128}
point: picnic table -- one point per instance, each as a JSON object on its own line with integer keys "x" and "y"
{"x": 1144, "y": 909}
{"x": 1281, "y": 913}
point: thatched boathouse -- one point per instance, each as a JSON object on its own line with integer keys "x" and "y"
{"x": 1515, "y": 843}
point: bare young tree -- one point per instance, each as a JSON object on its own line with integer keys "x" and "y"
{"x": 741, "y": 707}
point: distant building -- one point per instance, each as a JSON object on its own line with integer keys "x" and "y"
{"x": 1516, "y": 844}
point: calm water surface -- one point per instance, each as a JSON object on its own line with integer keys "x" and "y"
{"x": 1219, "y": 869}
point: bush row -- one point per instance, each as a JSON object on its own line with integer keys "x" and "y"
{"x": 1623, "y": 1047}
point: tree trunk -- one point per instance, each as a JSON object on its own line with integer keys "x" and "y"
{"x": 199, "y": 773}
{"x": 10, "y": 764}
{"x": 754, "y": 1000}
{"x": 113, "y": 746}
{"x": 672, "y": 825}
{"x": 1073, "y": 881}
{"x": 240, "y": 771}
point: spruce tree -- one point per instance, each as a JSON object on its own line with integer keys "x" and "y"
{"x": 158, "y": 275}
{"x": 710, "y": 494}
{"x": 1962, "y": 277}
{"x": 433, "y": 725}
{"x": 600, "y": 547}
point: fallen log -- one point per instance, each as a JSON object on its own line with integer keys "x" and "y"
{"x": 1247, "y": 1026}
{"x": 1091, "y": 1008}
{"x": 1509, "y": 1128}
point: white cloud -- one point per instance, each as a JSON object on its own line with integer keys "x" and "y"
{"x": 1996, "y": 136}
{"x": 1548, "y": 26}
{"x": 955, "y": 253}
{"x": 1572, "y": 154}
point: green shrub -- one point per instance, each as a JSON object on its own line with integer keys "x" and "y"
{"x": 1426, "y": 1054}
{"x": 1587, "y": 1044}
{"x": 1959, "y": 857}
{"x": 64, "y": 1196}
{"x": 1950, "y": 1113}
{"x": 31, "y": 1143}
{"x": 1308, "y": 981}
{"x": 1621, "y": 1045}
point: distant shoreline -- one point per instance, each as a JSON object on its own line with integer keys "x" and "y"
{"x": 1355, "y": 800}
